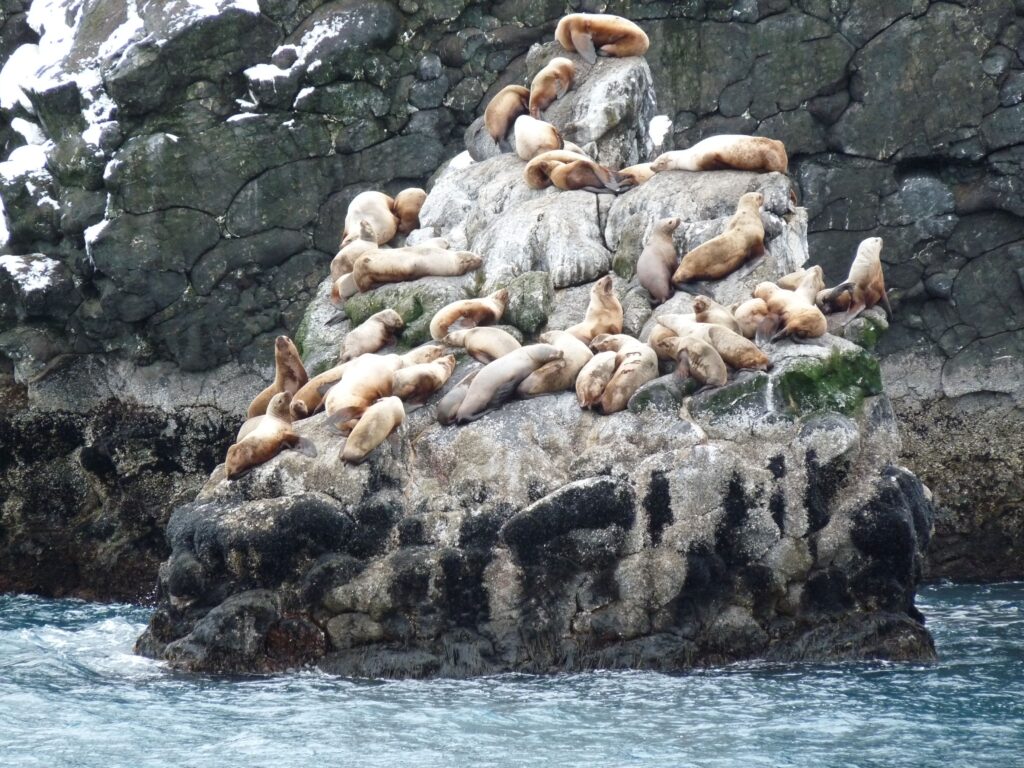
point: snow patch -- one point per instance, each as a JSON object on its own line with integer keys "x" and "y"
{"x": 24, "y": 161}
{"x": 129, "y": 31}
{"x": 265, "y": 72}
{"x": 5, "y": 232}
{"x": 31, "y": 275}
{"x": 460, "y": 161}
{"x": 659, "y": 127}
{"x": 29, "y": 131}
{"x": 19, "y": 71}
{"x": 242, "y": 116}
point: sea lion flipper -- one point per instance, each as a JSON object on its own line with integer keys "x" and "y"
{"x": 884, "y": 301}
{"x": 306, "y": 447}
{"x": 584, "y": 45}
{"x": 339, "y": 317}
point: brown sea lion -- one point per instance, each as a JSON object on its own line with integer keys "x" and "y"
{"x": 367, "y": 379}
{"x": 707, "y": 310}
{"x": 635, "y": 365}
{"x": 377, "y": 422}
{"x": 736, "y": 350}
{"x": 742, "y": 239}
{"x": 658, "y": 261}
{"x": 375, "y": 332}
{"x": 289, "y": 375}
{"x": 407, "y": 208}
{"x": 415, "y": 383}
{"x": 592, "y": 33}
{"x": 536, "y": 171}
{"x": 700, "y": 360}
{"x": 799, "y": 318}
{"x": 501, "y": 112}
{"x": 749, "y": 315}
{"x": 791, "y": 280}
{"x": 448, "y": 406}
{"x": 535, "y": 137}
{"x": 267, "y": 437}
{"x": 571, "y": 171}
{"x": 484, "y": 343}
{"x": 468, "y": 313}
{"x": 366, "y": 240}
{"x": 657, "y": 339}
{"x": 604, "y": 313}
{"x": 864, "y": 286}
{"x": 397, "y": 265}
{"x": 551, "y": 83}
{"x": 717, "y": 153}
{"x": 594, "y": 377}
{"x": 374, "y": 207}
{"x": 497, "y": 381}
{"x": 278, "y": 408}
{"x": 558, "y": 375}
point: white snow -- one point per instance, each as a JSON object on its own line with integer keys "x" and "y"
{"x": 129, "y": 31}
{"x": 266, "y": 72}
{"x": 461, "y": 160}
{"x": 19, "y": 70}
{"x": 660, "y": 126}
{"x": 32, "y": 275}
{"x": 5, "y": 233}
{"x": 242, "y": 116}
{"x": 91, "y": 236}
{"x": 30, "y": 159}
{"x": 29, "y": 131}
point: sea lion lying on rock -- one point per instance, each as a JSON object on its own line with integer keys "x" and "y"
{"x": 263, "y": 437}
{"x": 376, "y": 208}
{"x": 468, "y": 313}
{"x": 551, "y": 83}
{"x": 726, "y": 152}
{"x": 742, "y": 239}
{"x": 377, "y": 422}
{"x": 497, "y": 381}
{"x": 590, "y": 34}
{"x": 503, "y": 110}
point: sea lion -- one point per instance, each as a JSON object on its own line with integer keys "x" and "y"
{"x": 344, "y": 288}
{"x": 811, "y": 284}
{"x": 468, "y": 313}
{"x": 278, "y": 408}
{"x": 581, "y": 173}
{"x": 448, "y": 406}
{"x": 551, "y": 83}
{"x": 706, "y": 310}
{"x": 729, "y": 151}
{"x": 558, "y": 375}
{"x": 415, "y": 383}
{"x": 638, "y": 174}
{"x": 604, "y": 313}
{"x": 735, "y": 350}
{"x": 397, "y": 265}
{"x": 365, "y": 240}
{"x": 657, "y": 339}
{"x": 377, "y": 422}
{"x": 592, "y": 33}
{"x": 864, "y": 286}
{"x": 749, "y": 315}
{"x": 264, "y": 439}
{"x": 680, "y": 323}
{"x": 407, "y": 208}
{"x": 367, "y": 379}
{"x": 658, "y": 261}
{"x": 497, "y": 381}
{"x": 374, "y": 207}
{"x": 700, "y": 360}
{"x": 742, "y": 239}
{"x": 289, "y": 375}
{"x": 484, "y": 343}
{"x": 503, "y": 110}
{"x": 791, "y": 280}
{"x": 534, "y": 137}
{"x": 635, "y": 365}
{"x": 594, "y": 377}
{"x": 536, "y": 171}
{"x": 376, "y": 331}
{"x": 799, "y": 318}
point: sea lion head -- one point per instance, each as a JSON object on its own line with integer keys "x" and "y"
{"x": 500, "y": 296}
{"x": 701, "y": 304}
{"x": 448, "y": 361}
{"x": 279, "y": 406}
{"x": 427, "y": 353}
{"x": 752, "y": 199}
{"x": 806, "y": 323}
{"x": 662, "y": 162}
{"x": 603, "y": 286}
{"x": 367, "y": 232}
{"x": 600, "y": 342}
{"x": 457, "y": 338}
{"x": 469, "y": 261}
{"x": 284, "y": 348}
{"x": 390, "y": 319}
{"x": 764, "y": 290}
{"x": 872, "y": 245}
{"x": 240, "y": 457}
{"x": 668, "y": 226}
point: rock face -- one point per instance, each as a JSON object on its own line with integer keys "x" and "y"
{"x": 764, "y": 519}
{"x": 188, "y": 170}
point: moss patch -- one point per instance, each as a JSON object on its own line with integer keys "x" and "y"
{"x": 745, "y": 394}
{"x": 416, "y": 303}
{"x": 839, "y": 382}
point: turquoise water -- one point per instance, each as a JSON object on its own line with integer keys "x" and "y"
{"x": 72, "y": 694}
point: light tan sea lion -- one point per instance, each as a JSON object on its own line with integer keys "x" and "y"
{"x": 407, "y": 208}
{"x": 742, "y": 239}
{"x": 638, "y": 174}
{"x": 749, "y": 315}
{"x": 367, "y": 379}
{"x": 484, "y": 343}
{"x": 397, "y": 265}
{"x": 635, "y": 365}
{"x": 448, "y": 406}
{"x": 736, "y": 350}
{"x": 278, "y": 408}
{"x": 535, "y": 137}
{"x": 811, "y": 284}
{"x": 657, "y": 339}
{"x": 658, "y": 261}
{"x": 707, "y": 310}
{"x": 700, "y": 360}
{"x": 800, "y": 319}
{"x": 377, "y": 422}
{"x": 468, "y": 313}
{"x": 365, "y": 240}
{"x": 558, "y": 375}
{"x": 864, "y": 286}
{"x": 374, "y": 207}
{"x": 266, "y": 438}
{"x": 372, "y": 334}
{"x": 497, "y": 381}
{"x": 730, "y": 151}
{"x": 604, "y": 313}
{"x": 344, "y": 288}
{"x": 551, "y": 83}
{"x": 594, "y": 377}
{"x": 501, "y": 112}
{"x": 680, "y": 323}
{"x": 289, "y": 375}
{"x": 415, "y": 383}
{"x": 792, "y": 280}
{"x": 592, "y": 33}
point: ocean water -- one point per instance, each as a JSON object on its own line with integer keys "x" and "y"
{"x": 72, "y": 694}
